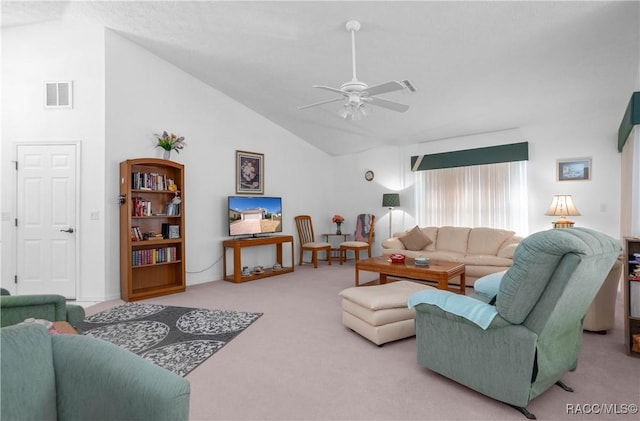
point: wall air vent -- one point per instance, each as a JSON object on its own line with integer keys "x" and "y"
{"x": 58, "y": 94}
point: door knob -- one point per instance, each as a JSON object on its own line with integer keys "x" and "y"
{"x": 69, "y": 230}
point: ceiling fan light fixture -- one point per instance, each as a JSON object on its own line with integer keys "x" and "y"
{"x": 358, "y": 93}
{"x": 353, "y": 111}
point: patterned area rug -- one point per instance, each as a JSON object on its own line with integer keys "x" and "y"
{"x": 176, "y": 338}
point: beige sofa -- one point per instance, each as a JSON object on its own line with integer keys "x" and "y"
{"x": 482, "y": 250}
{"x": 601, "y": 314}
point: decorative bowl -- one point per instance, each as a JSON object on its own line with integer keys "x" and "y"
{"x": 422, "y": 261}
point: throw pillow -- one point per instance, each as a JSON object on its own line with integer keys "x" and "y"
{"x": 415, "y": 239}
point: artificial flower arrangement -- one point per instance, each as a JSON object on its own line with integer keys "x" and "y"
{"x": 170, "y": 142}
{"x": 337, "y": 219}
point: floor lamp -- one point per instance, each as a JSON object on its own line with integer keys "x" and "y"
{"x": 390, "y": 200}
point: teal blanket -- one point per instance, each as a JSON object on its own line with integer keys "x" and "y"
{"x": 471, "y": 309}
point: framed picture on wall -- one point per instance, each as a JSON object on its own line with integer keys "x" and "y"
{"x": 573, "y": 169}
{"x": 249, "y": 172}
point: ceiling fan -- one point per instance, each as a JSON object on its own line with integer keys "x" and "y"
{"x": 358, "y": 94}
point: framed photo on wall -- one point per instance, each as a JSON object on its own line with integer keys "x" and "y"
{"x": 249, "y": 172}
{"x": 573, "y": 169}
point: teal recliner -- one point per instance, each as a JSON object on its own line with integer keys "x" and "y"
{"x": 75, "y": 377}
{"x": 533, "y": 333}
{"x": 15, "y": 309}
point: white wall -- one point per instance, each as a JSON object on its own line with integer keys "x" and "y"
{"x": 598, "y": 200}
{"x": 146, "y": 95}
{"x": 352, "y": 194}
{"x": 56, "y": 51}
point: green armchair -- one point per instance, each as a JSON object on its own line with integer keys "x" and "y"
{"x": 533, "y": 334}
{"x": 75, "y": 377}
{"x": 15, "y": 309}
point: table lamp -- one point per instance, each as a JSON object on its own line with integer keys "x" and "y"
{"x": 562, "y": 206}
{"x": 390, "y": 200}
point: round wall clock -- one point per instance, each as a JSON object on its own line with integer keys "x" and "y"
{"x": 368, "y": 175}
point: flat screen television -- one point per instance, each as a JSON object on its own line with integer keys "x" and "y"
{"x": 254, "y": 215}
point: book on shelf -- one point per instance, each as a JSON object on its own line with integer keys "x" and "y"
{"x": 165, "y": 230}
{"x": 172, "y": 209}
{"x": 141, "y": 207}
{"x": 154, "y": 256}
{"x": 136, "y": 234}
{"x": 153, "y": 236}
{"x": 150, "y": 181}
{"x": 170, "y": 231}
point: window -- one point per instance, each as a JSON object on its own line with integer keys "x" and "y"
{"x": 491, "y": 195}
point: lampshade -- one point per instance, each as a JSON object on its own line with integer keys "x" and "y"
{"x": 562, "y": 205}
{"x": 390, "y": 200}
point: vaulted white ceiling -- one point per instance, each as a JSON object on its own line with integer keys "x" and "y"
{"x": 477, "y": 66}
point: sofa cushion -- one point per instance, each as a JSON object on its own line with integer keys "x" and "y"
{"x": 487, "y": 240}
{"x": 482, "y": 260}
{"x": 392, "y": 243}
{"x": 432, "y": 233}
{"x": 448, "y": 256}
{"x": 415, "y": 239}
{"x": 507, "y": 251}
{"x": 377, "y": 297}
{"x": 453, "y": 239}
{"x": 378, "y": 317}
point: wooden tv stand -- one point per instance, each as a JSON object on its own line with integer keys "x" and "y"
{"x": 238, "y": 244}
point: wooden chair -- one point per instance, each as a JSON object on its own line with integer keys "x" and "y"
{"x": 308, "y": 241}
{"x": 365, "y": 226}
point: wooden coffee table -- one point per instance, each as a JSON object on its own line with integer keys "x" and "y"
{"x": 438, "y": 271}
{"x": 64, "y": 327}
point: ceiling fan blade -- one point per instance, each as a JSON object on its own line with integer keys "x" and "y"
{"x": 383, "y": 88}
{"x": 320, "y": 103}
{"x": 385, "y": 103}
{"x": 329, "y": 88}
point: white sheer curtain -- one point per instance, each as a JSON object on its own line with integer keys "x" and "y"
{"x": 492, "y": 195}
{"x": 630, "y": 202}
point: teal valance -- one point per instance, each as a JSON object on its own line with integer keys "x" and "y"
{"x": 631, "y": 118}
{"x": 479, "y": 156}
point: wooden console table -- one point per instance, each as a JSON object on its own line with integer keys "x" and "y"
{"x": 238, "y": 244}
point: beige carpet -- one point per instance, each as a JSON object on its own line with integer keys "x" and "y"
{"x": 297, "y": 362}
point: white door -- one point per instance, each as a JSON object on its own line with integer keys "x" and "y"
{"x": 46, "y": 219}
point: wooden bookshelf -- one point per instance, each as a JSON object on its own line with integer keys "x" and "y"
{"x": 151, "y": 264}
{"x": 631, "y": 284}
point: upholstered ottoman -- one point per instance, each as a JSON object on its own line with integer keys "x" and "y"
{"x": 380, "y": 312}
